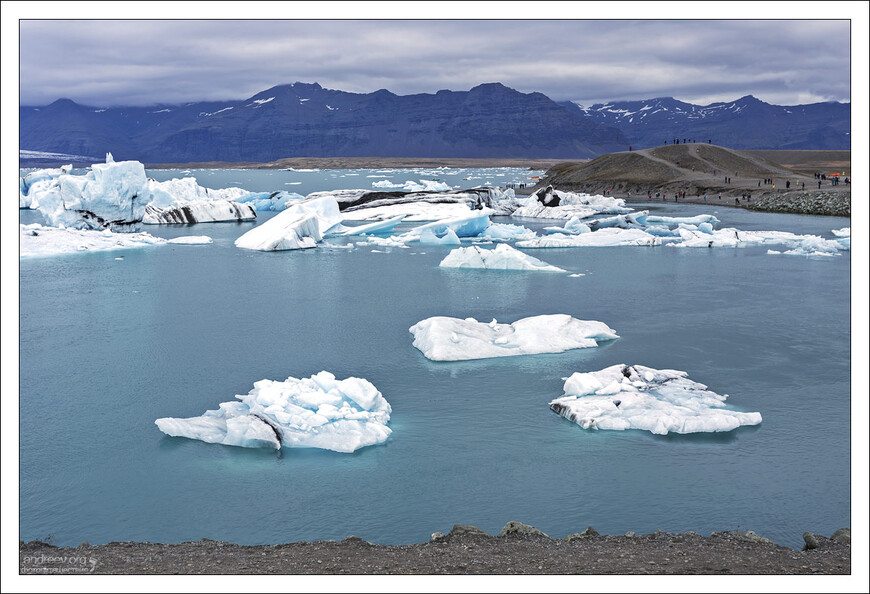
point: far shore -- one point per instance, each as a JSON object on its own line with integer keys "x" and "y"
{"x": 365, "y": 163}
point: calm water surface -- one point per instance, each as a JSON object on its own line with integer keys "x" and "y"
{"x": 107, "y": 346}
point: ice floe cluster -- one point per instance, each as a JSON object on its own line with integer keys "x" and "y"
{"x": 316, "y": 412}
{"x": 442, "y": 338}
{"x": 36, "y": 240}
{"x": 661, "y": 401}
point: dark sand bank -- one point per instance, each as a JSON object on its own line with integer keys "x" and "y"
{"x": 519, "y": 549}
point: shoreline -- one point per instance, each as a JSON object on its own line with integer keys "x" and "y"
{"x": 365, "y": 163}
{"x": 518, "y": 549}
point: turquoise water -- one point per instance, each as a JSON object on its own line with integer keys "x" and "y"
{"x": 107, "y": 346}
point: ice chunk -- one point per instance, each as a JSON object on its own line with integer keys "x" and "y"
{"x": 555, "y": 204}
{"x": 609, "y": 237}
{"x": 428, "y": 237}
{"x": 419, "y": 210}
{"x": 180, "y": 191}
{"x": 110, "y": 196}
{"x": 425, "y": 185}
{"x": 378, "y": 227}
{"x": 471, "y": 224}
{"x": 274, "y": 201}
{"x": 36, "y": 241}
{"x": 506, "y": 232}
{"x": 844, "y": 232}
{"x": 316, "y": 412}
{"x": 503, "y": 257}
{"x": 299, "y": 226}
{"x": 202, "y": 211}
{"x": 696, "y": 220}
{"x": 451, "y": 339}
{"x": 191, "y": 240}
{"x": 636, "y": 397}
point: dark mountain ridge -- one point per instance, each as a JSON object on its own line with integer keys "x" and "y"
{"x": 487, "y": 121}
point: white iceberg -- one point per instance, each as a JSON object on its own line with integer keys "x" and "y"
{"x": 179, "y": 191}
{"x": 844, "y": 232}
{"x": 609, "y": 237}
{"x": 696, "y": 220}
{"x": 503, "y": 257}
{"x": 451, "y": 339}
{"x": 424, "y": 185}
{"x": 36, "y": 182}
{"x": 420, "y": 210}
{"x": 664, "y": 401}
{"x": 376, "y": 228}
{"x": 36, "y": 241}
{"x": 429, "y": 237}
{"x": 191, "y": 240}
{"x": 574, "y": 226}
{"x": 202, "y": 211}
{"x": 470, "y": 223}
{"x": 555, "y": 204}
{"x": 316, "y": 412}
{"x": 297, "y": 227}
{"x": 269, "y": 201}
{"x": 506, "y": 232}
{"x": 109, "y": 196}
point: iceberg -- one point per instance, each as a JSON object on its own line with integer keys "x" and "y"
{"x": 696, "y": 220}
{"x": 316, "y": 412}
{"x": 418, "y": 210}
{"x": 574, "y": 226}
{"x": 632, "y": 220}
{"x": 36, "y": 182}
{"x": 608, "y": 237}
{"x": 471, "y": 223}
{"x": 548, "y": 203}
{"x": 202, "y": 211}
{"x": 425, "y": 185}
{"x": 269, "y": 201}
{"x": 844, "y": 232}
{"x": 664, "y": 401}
{"x": 36, "y": 241}
{"x": 191, "y": 240}
{"x": 297, "y": 227}
{"x": 110, "y": 196}
{"x": 428, "y": 237}
{"x": 506, "y": 232}
{"x": 451, "y": 339}
{"x": 378, "y": 227}
{"x": 503, "y": 257}
{"x": 179, "y": 191}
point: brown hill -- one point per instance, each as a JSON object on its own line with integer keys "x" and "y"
{"x": 693, "y": 168}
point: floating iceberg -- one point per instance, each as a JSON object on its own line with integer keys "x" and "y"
{"x": 696, "y": 220}
{"x": 425, "y": 185}
{"x": 110, "y": 196}
{"x": 179, "y": 191}
{"x": 202, "y": 211}
{"x": 636, "y": 397}
{"x": 269, "y": 201}
{"x": 632, "y": 220}
{"x": 548, "y": 203}
{"x": 316, "y": 412}
{"x": 506, "y": 232}
{"x": 451, "y": 339}
{"x": 429, "y": 237}
{"x": 469, "y": 224}
{"x": 36, "y": 240}
{"x": 574, "y": 226}
{"x": 608, "y": 237}
{"x": 191, "y": 240}
{"x": 36, "y": 182}
{"x": 844, "y": 232}
{"x": 297, "y": 227}
{"x": 503, "y": 257}
{"x": 376, "y": 228}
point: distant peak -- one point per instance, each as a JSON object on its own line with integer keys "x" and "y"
{"x": 302, "y": 85}
{"x": 491, "y": 87}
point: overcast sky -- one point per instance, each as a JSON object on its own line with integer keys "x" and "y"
{"x": 107, "y": 63}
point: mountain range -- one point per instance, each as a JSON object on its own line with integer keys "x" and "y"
{"x": 488, "y": 121}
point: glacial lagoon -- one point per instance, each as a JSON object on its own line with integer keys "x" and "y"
{"x": 108, "y": 345}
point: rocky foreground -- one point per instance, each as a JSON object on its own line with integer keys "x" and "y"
{"x": 819, "y": 202}
{"x": 518, "y": 549}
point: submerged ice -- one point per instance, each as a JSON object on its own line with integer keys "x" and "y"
{"x": 316, "y": 412}
{"x": 661, "y": 401}
{"x": 442, "y": 338}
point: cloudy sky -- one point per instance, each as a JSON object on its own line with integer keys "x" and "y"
{"x": 133, "y": 62}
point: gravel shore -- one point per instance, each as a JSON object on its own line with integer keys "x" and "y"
{"x": 519, "y": 549}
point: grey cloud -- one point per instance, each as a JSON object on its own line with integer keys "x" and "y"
{"x": 147, "y": 62}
